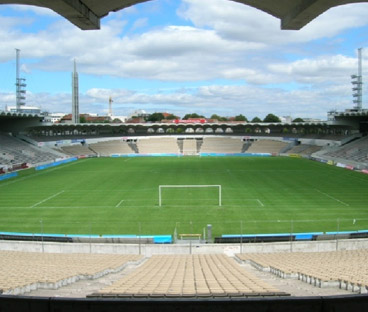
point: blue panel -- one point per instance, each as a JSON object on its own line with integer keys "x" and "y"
{"x": 237, "y": 154}
{"x": 304, "y": 237}
{"x": 157, "y": 239}
{"x": 257, "y": 235}
{"x": 162, "y": 239}
{"x": 272, "y": 235}
{"x": 56, "y": 163}
{"x": 148, "y": 155}
{"x": 82, "y": 236}
{"x": 120, "y": 236}
{"x": 342, "y": 232}
{"x": 8, "y": 176}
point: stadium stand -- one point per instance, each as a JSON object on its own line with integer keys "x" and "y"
{"x": 15, "y": 151}
{"x": 222, "y": 145}
{"x": 304, "y": 149}
{"x": 267, "y": 146}
{"x": 190, "y": 147}
{"x": 22, "y": 272}
{"x": 107, "y": 148}
{"x": 157, "y": 145}
{"x": 355, "y": 151}
{"x": 77, "y": 150}
{"x": 343, "y": 269}
{"x": 190, "y": 276}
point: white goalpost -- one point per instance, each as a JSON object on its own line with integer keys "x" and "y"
{"x": 160, "y": 187}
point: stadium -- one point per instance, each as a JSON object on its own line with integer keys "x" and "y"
{"x": 185, "y": 215}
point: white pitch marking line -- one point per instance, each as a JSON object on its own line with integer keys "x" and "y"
{"x": 338, "y": 200}
{"x": 120, "y": 202}
{"x": 259, "y": 202}
{"x": 46, "y": 199}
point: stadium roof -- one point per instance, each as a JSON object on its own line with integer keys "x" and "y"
{"x": 86, "y": 14}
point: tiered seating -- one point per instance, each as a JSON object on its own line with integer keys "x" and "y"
{"x": 304, "y": 149}
{"x": 190, "y": 146}
{"x": 344, "y": 269}
{"x": 222, "y": 145}
{"x": 15, "y": 151}
{"x": 108, "y": 148}
{"x": 189, "y": 276}
{"x": 77, "y": 150}
{"x": 267, "y": 146}
{"x": 355, "y": 151}
{"x": 24, "y": 271}
{"x": 157, "y": 145}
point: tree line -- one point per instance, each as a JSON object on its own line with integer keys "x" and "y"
{"x": 157, "y": 117}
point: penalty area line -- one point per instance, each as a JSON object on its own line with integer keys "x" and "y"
{"x": 120, "y": 202}
{"x": 46, "y": 199}
{"x": 329, "y": 196}
{"x": 262, "y": 205}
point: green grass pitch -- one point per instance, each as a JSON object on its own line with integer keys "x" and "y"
{"x": 120, "y": 196}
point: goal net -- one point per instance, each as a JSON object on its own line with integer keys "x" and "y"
{"x": 191, "y": 193}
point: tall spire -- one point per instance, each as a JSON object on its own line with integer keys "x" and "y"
{"x": 75, "y": 95}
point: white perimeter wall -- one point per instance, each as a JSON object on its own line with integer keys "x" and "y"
{"x": 151, "y": 249}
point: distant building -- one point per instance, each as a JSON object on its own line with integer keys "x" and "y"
{"x": 136, "y": 119}
{"x": 139, "y": 113}
{"x": 312, "y": 120}
{"x": 86, "y": 118}
{"x": 24, "y": 109}
{"x": 286, "y": 119}
{"x": 53, "y": 117}
{"x": 120, "y": 118}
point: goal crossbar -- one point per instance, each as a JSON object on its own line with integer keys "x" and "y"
{"x": 160, "y": 187}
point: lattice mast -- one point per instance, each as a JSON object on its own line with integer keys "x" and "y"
{"x": 20, "y": 84}
{"x": 357, "y": 81}
{"x": 75, "y": 95}
{"x": 110, "y": 106}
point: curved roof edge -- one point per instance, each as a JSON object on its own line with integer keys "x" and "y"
{"x": 86, "y": 14}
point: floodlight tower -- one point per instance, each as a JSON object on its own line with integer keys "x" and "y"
{"x": 75, "y": 95}
{"x": 19, "y": 84}
{"x": 110, "y": 106}
{"x": 357, "y": 81}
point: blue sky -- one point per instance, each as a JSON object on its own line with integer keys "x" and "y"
{"x": 209, "y": 56}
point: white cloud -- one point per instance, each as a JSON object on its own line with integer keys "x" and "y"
{"x": 41, "y": 11}
{"x": 223, "y": 40}
{"x": 140, "y": 23}
{"x": 235, "y": 21}
{"x": 320, "y": 70}
{"x": 230, "y": 100}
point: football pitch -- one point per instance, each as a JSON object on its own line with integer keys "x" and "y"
{"x": 121, "y": 196}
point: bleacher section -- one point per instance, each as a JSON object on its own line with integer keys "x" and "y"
{"x": 222, "y": 145}
{"x": 77, "y": 150}
{"x": 343, "y": 269}
{"x": 157, "y": 145}
{"x": 190, "y": 276}
{"x": 267, "y": 146}
{"x": 22, "y": 272}
{"x": 190, "y": 147}
{"x": 107, "y": 148}
{"x": 355, "y": 151}
{"x": 304, "y": 149}
{"x": 15, "y": 151}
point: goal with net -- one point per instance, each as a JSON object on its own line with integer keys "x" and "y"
{"x": 162, "y": 187}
